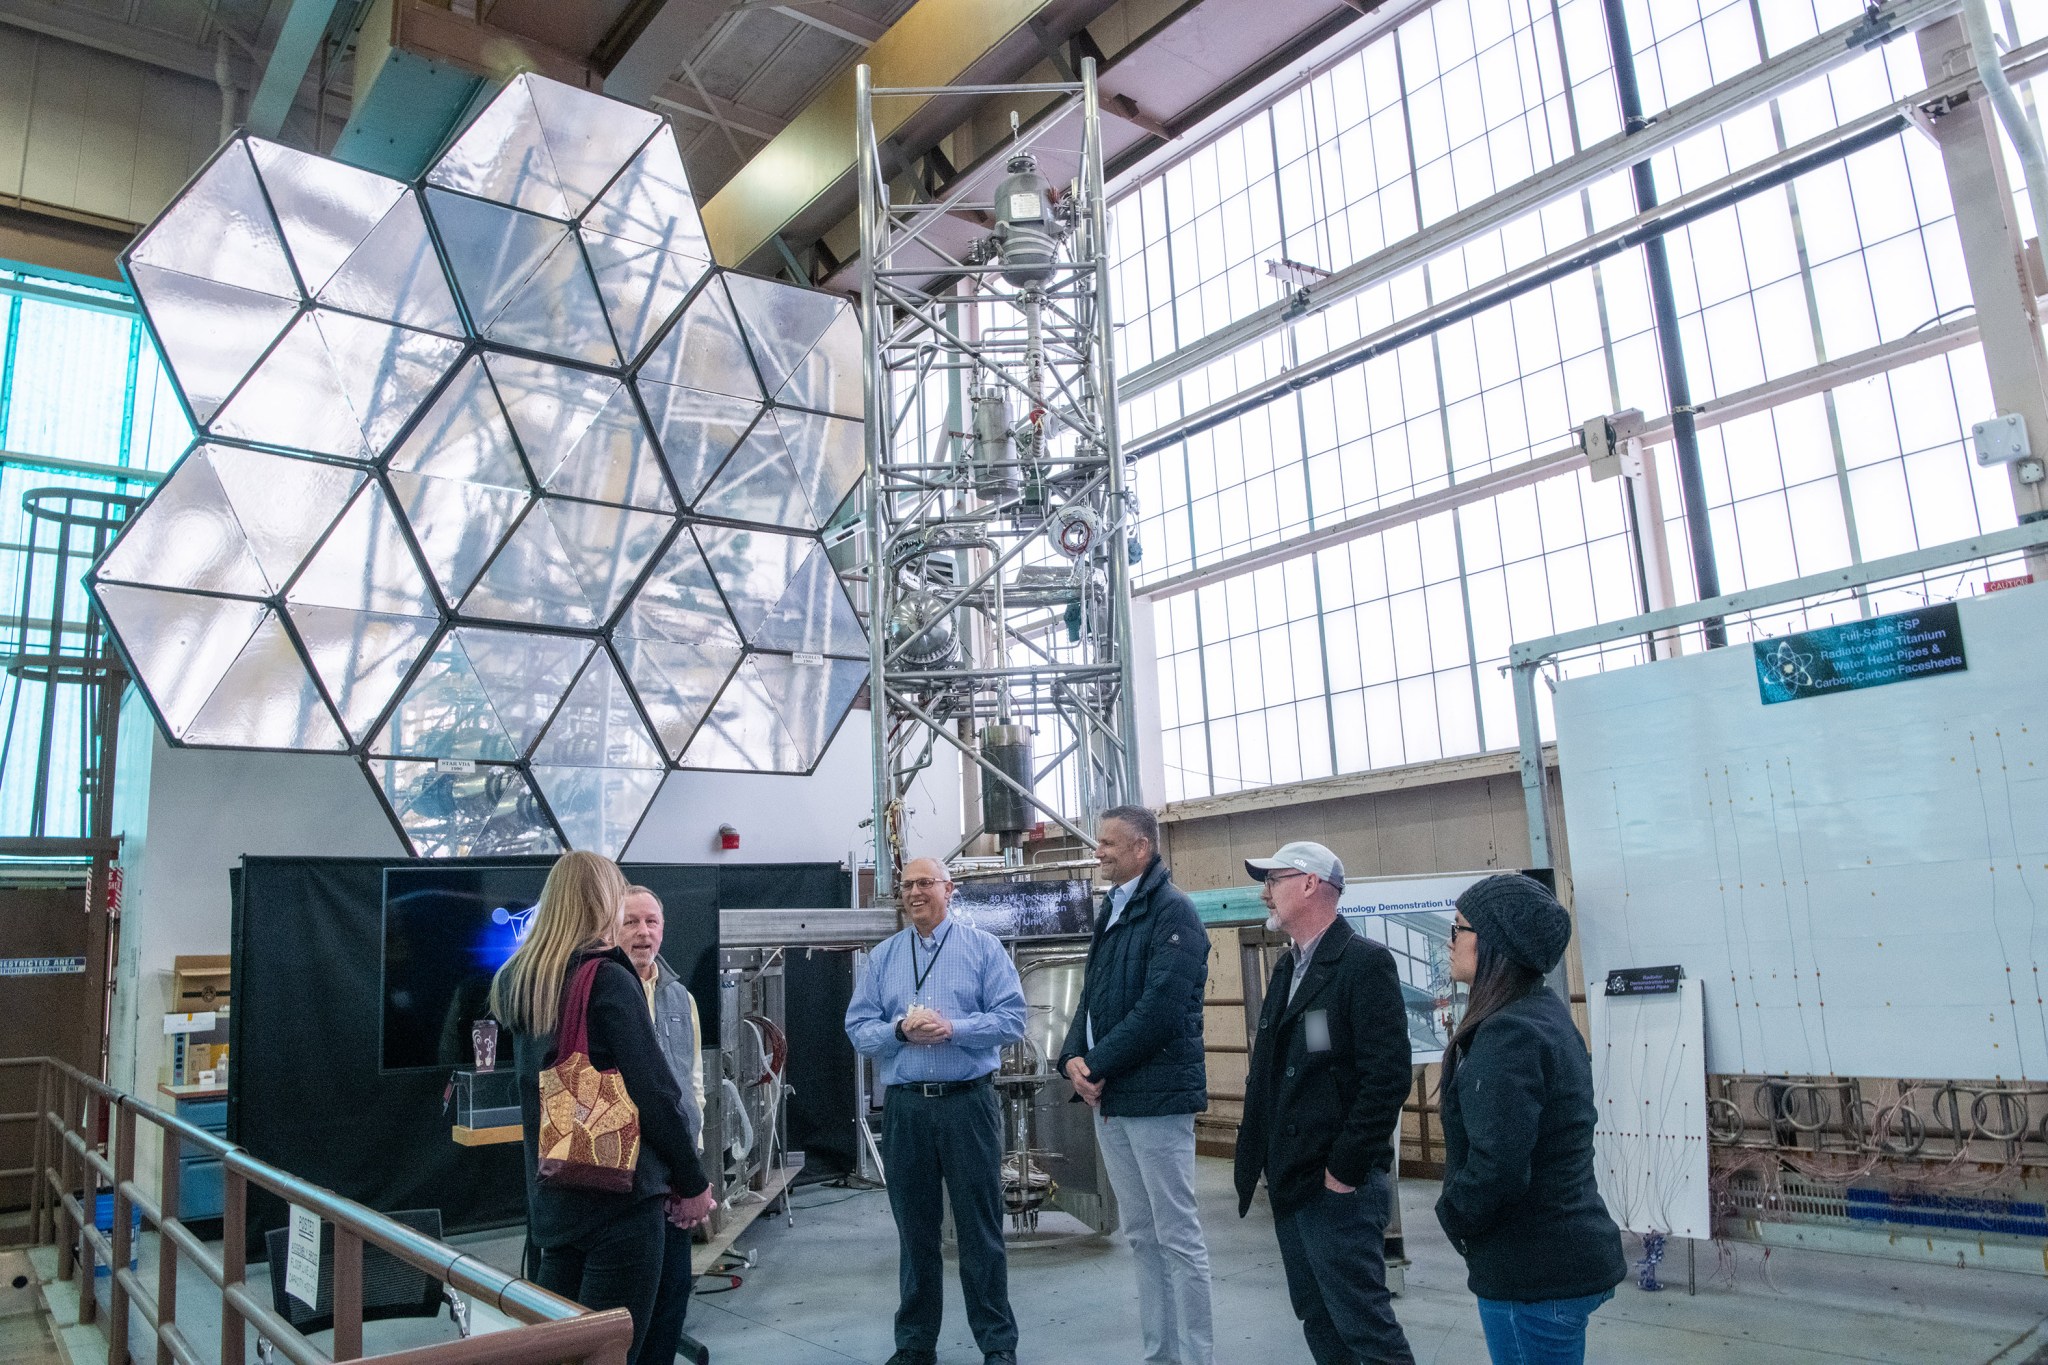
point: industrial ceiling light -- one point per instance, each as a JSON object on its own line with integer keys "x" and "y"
{"x": 501, "y": 486}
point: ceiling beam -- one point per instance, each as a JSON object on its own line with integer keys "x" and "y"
{"x": 826, "y": 15}
{"x": 681, "y": 99}
{"x": 298, "y": 45}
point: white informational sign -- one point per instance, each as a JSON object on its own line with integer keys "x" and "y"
{"x": 200, "y": 1022}
{"x": 1650, "y": 1086}
{"x": 302, "y": 1267}
{"x": 1025, "y": 204}
{"x": 1858, "y": 881}
{"x": 1412, "y": 916}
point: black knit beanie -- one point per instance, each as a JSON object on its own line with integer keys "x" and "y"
{"x": 1519, "y": 917}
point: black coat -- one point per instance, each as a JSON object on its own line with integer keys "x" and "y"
{"x": 1333, "y": 1108}
{"x": 1144, "y": 986}
{"x": 622, "y": 1039}
{"x": 1519, "y": 1200}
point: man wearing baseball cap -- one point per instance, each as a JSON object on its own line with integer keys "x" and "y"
{"x": 1329, "y": 1071}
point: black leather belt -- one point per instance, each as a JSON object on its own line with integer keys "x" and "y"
{"x": 933, "y": 1090}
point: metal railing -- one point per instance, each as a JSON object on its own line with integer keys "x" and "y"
{"x": 74, "y": 1162}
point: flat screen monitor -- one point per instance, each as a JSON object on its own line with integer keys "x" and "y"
{"x": 448, "y": 927}
{"x": 447, "y": 930}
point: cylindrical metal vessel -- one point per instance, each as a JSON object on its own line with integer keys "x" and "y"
{"x": 1003, "y": 809}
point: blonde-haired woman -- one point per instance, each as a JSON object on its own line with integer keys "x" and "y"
{"x": 601, "y": 1249}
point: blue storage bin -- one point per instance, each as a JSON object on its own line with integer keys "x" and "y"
{"x": 103, "y": 1219}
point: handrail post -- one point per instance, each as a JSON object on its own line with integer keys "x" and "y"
{"x": 39, "y": 1222}
{"x": 66, "y": 1241}
{"x": 117, "y": 1289}
{"x": 348, "y": 1294}
{"x": 170, "y": 1168}
{"x": 234, "y": 1229}
{"x": 88, "y": 1112}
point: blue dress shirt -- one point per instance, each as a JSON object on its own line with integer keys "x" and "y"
{"x": 972, "y": 982}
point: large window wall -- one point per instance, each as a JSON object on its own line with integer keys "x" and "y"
{"x": 83, "y": 400}
{"x": 1389, "y": 649}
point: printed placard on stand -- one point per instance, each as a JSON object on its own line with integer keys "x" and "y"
{"x": 302, "y": 1266}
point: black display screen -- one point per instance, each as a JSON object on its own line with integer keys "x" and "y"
{"x": 447, "y": 930}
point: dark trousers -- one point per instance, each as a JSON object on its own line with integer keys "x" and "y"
{"x": 955, "y": 1142}
{"x": 1335, "y": 1251}
{"x": 615, "y": 1265}
{"x": 671, "y": 1299}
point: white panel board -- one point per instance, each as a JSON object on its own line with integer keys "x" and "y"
{"x": 1859, "y": 881}
{"x": 1650, "y": 1083}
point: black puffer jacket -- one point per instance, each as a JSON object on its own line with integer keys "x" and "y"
{"x": 1144, "y": 990}
{"x": 1519, "y": 1200}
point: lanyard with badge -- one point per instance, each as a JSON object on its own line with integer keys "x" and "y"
{"x": 918, "y": 978}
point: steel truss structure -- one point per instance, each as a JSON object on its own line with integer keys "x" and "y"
{"x": 998, "y": 522}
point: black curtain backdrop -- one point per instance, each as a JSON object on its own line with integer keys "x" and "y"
{"x": 306, "y": 1090}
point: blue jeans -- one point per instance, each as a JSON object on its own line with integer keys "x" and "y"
{"x": 1547, "y": 1332}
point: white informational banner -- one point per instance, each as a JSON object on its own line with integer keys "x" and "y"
{"x": 1650, "y": 1085}
{"x": 1858, "y": 880}
{"x": 1412, "y": 916}
{"x": 302, "y": 1266}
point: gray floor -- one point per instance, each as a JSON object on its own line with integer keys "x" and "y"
{"x": 824, "y": 1291}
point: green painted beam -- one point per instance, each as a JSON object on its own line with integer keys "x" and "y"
{"x": 405, "y": 113}
{"x": 1231, "y": 905}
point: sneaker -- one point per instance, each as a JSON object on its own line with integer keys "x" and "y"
{"x": 911, "y": 1356}
{"x": 1000, "y": 1358}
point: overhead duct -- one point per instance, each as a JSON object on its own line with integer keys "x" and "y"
{"x": 802, "y": 182}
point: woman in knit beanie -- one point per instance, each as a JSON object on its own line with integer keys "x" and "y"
{"x": 1519, "y": 1200}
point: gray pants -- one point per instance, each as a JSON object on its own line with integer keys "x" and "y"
{"x": 1151, "y": 1164}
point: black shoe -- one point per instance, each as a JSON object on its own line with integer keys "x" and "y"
{"x": 911, "y": 1356}
{"x": 1000, "y": 1358}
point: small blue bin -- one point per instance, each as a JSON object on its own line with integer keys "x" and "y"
{"x": 103, "y": 1219}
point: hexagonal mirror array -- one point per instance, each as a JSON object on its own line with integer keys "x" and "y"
{"x": 501, "y": 486}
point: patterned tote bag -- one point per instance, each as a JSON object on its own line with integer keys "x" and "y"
{"x": 589, "y": 1126}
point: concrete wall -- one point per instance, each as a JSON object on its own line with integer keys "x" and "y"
{"x": 1446, "y": 817}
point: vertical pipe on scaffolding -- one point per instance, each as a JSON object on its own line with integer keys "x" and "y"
{"x": 1124, "y": 786}
{"x": 867, "y": 162}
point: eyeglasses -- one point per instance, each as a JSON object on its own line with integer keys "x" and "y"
{"x": 1457, "y": 929}
{"x": 923, "y": 883}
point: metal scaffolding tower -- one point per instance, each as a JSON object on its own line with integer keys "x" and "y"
{"x": 999, "y": 529}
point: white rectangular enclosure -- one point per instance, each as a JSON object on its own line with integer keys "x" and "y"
{"x": 1650, "y": 1085}
{"x": 1858, "y": 881}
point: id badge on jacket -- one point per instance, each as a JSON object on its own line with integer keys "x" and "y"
{"x": 1315, "y": 1030}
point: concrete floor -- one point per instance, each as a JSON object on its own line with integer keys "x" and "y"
{"x": 824, "y": 1292}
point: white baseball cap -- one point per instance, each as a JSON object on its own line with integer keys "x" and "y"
{"x": 1300, "y": 856}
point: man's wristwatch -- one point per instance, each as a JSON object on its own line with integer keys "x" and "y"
{"x": 901, "y": 1036}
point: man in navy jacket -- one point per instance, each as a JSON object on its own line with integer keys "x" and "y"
{"x": 1134, "y": 1052}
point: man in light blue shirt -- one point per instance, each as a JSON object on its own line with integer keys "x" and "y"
{"x": 935, "y": 1006}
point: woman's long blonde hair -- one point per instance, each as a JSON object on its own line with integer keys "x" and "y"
{"x": 579, "y": 909}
